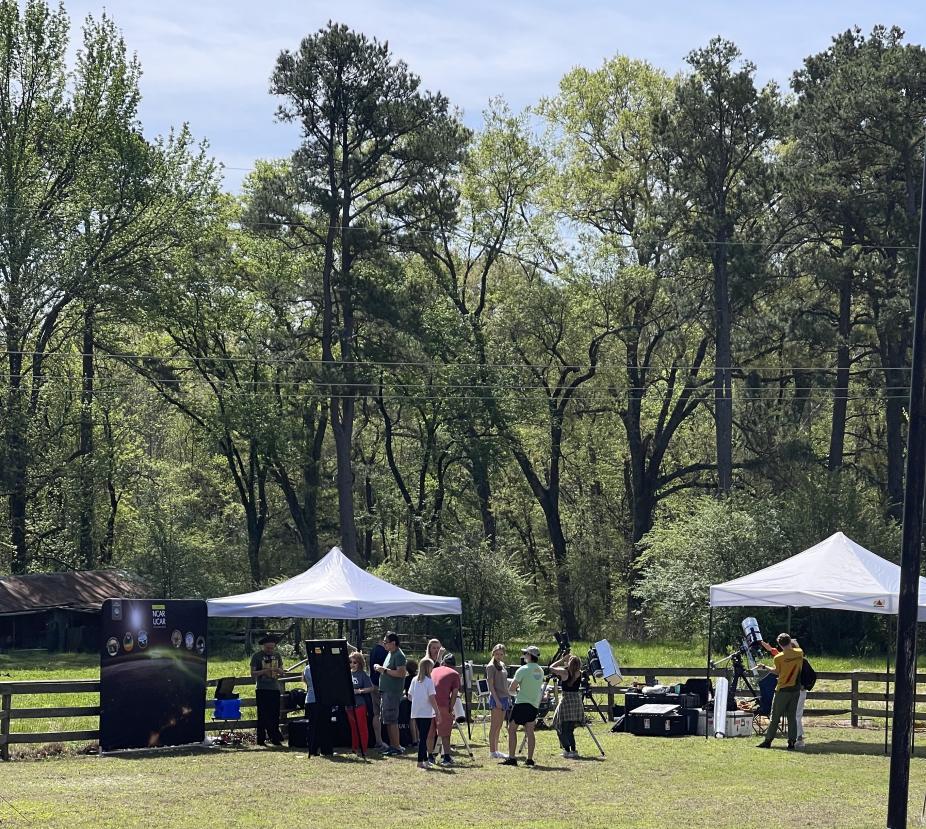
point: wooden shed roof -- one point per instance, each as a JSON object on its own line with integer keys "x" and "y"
{"x": 75, "y": 590}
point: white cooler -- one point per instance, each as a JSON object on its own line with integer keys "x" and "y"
{"x": 739, "y": 723}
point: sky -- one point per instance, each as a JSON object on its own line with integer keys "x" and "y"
{"x": 208, "y": 63}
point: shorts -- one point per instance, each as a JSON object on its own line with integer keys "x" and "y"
{"x": 444, "y": 723}
{"x": 523, "y": 713}
{"x": 505, "y": 706}
{"x": 389, "y": 708}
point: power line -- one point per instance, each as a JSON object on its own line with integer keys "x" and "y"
{"x": 387, "y": 364}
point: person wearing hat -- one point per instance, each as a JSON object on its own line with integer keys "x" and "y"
{"x": 266, "y": 667}
{"x": 527, "y": 686}
{"x": 447, "y": 683}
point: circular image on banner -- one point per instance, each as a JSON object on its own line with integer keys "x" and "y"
{"x": 176, "y": 638}
{"x": 112, "y": 646}
{"x": 201, "y": 644}
{"x": 188, "y": 641}
{"x": 143, "y": 639}
{"x": 128, "y": 641}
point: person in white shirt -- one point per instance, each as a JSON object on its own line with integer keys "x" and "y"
{"x": 424, "y": 707}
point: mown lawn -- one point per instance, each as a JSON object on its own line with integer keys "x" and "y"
{"x": 839, "y": 780}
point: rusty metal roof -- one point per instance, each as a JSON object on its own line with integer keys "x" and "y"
{"x": 75, "y": 590}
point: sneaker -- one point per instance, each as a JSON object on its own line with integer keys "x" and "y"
{"x": 764, "y": 745}
{"x": 497, "y": 755}
{"x": 800, "y": 742}
{"x": 389, "y": 751}
{"x": 509, "y": 761}
{"x": 790, "y": 746}
{"x": 424, "y": 766}
{"x": 529, "y": 762}
{"x": 572, "y": 755}
{"x": 565, "y": 755}
{"x": 446, "y": 761}
{"x": 381, "y": 747}
{"x": 432, "y": 759}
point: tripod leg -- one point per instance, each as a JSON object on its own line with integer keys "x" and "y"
{"x": 591, "y": 734}
{"x": 469, "y": 750}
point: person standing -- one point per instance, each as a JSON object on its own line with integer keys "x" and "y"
{"x": 499, "y": 698}
{"x": 377, "y": 656}
{"x": 570, "y": 712}
{"x": 424, "y": 707}
{"x": 435, "y": 652}
{"x": 528, "y": 688}
{"x": 787, "y": 667}
{"x": 266, "y": 668}
{"x": 447, "y": 683}
{"x": 359, "y": 716}
{"x": 802, "y": 694}
{"x": 391, "y": 688}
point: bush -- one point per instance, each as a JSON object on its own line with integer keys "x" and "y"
{"x": 495, "y": 598}
{"x": 720, "y": 539}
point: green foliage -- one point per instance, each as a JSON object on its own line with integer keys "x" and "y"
{"x": 714, "y": 540}
{"x": 497, "y": 604}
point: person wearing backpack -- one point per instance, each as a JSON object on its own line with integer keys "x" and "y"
{"x": 788, "y": 663}
{"x": 808, "y": 678}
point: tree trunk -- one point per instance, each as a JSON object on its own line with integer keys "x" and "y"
{"x": 841, "y": 390}
{"x": 17, "y": 454}
{"x": 342, "y": 425}
{"x": 893, "y": 348}
{"x": 723, "y": 369}
{"x": 479, "y": 469}
{"x": 550, "y": 506}
{"x": 86, "y": 499}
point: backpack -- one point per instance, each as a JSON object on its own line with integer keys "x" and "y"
{"x": 808, "y": 676}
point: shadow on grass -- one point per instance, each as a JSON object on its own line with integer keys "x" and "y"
{"x": 842, "y": 747}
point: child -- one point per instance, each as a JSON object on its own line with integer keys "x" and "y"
{"x": 424, "y": 707}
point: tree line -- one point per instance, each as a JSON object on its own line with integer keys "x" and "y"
{"x": 524, "y": 355}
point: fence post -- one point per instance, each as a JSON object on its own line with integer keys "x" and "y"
{"x": 610, "y": 704}
{"x": 6, "y": 710}
{"x": 854, "y": 711}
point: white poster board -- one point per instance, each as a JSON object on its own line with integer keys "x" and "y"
{"x": 610, "y": 670}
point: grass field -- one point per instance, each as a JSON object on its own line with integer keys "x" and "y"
{"x": 839, "y": 780}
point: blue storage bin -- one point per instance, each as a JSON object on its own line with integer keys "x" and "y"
{"x": 227, "y": 709}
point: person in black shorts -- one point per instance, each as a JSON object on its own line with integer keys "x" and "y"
{"x": 528, "y": 688}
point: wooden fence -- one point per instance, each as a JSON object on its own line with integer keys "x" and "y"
{"x": 855, "y": 702}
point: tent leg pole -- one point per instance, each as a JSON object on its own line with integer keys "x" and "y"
{"x": 469, "y": 727}
{"x": 710, "y": 635}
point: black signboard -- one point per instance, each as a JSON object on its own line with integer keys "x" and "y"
{"x": 328, "y": 660}
{"x": 152, "y": 673}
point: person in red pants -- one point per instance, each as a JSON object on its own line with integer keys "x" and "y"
{"x": 358, "y": 716}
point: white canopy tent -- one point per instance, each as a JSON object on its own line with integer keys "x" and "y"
{"x": 334, "y": 588}
{"x": 836, "y": 574}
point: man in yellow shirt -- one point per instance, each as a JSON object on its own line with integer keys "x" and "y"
{"x": 788, "y": 664}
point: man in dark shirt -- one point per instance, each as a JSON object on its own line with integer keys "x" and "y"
{"x": 377, "y": 656}
{"x": 266, "y": 667}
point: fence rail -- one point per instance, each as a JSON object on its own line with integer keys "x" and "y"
{"x": 10, "y": 690}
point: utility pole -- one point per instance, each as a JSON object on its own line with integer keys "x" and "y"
{"x": 908, "y": 599}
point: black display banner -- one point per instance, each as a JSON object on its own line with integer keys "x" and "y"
{"x": 328, "y": 660}
{"x": 152, "y": 673}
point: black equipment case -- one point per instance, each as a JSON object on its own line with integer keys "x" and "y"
{"x": 632, "y": 700}
{"x": 670, "y": 722}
